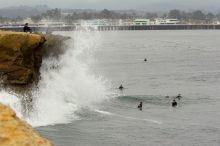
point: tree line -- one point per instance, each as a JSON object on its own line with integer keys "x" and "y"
{"x": 196, "y": 16}
{"x": 57, "y": 14}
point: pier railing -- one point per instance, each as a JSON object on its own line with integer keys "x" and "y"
{"x": 112, "y": 28}
{"x": 160, "y": 27}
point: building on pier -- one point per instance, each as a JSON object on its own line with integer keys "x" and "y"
{"x": 142, "y": 22}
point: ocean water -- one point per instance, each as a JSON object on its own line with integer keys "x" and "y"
{"x": 77, "y": 102}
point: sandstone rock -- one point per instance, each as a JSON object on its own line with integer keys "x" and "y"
{"x": 20, "y": 57}
{"x": 15, "y": 132}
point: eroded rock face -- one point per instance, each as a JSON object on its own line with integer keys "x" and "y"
{"x": 15, "y": 132}
{"x": 20, "y": 57}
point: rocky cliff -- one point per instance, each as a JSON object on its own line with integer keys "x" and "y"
{"x": 15, "y": 132}
{"x": 20, "y": 57}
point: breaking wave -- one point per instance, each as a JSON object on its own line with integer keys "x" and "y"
{"x": 66, "y": 84}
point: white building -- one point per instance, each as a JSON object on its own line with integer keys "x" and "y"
{"x": 94, "y": 22}
{"x": 142, "y": 22}
{"x": 172, "y": 21}
{"x": 48, "y": 22}
{"x": 160, "y": 21}
{"x": 126, "y": 22}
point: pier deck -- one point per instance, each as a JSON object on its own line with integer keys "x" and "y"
{"x": 112, "y": 28}
{"x": 159, "y": 27}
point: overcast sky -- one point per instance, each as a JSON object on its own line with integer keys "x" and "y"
{"x": 116, "y": 4}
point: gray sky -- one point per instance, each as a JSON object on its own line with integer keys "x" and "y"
{"x": 117, "y": 4}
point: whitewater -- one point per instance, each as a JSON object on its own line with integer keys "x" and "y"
{"x": 66, "y": 84}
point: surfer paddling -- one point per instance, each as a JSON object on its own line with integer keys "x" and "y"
{"x": 174, "y": 103}
{"x": 179, "y": 96}
{"x": 121, "y": 87}
{"x": 140, "y": 106}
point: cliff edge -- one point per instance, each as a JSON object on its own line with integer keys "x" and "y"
{"x": 15, "y": 132}
{"x": 20, "y": 57}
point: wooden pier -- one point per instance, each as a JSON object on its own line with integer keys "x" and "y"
{"x": 159, "y": 27}
{"x": 113, "y": 28}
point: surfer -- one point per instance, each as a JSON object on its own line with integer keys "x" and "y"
{"x": 174, "y": 103}
{"x": 140, "y": 106}
{"x": 145, "y": 59}
{"x": 179, "y": 96}
{"x": 121, "y": 87}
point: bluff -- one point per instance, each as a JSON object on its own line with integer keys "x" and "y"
{"x": 15, "y": 132}
{"x": 20, "y": 57}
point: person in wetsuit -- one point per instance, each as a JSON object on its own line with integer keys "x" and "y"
{"x": 145, "y": 59}
{"x": 27, "y": 28}
{"x": 140, "y": 106}
{"x": 179, "y": 96}
{"x": 174, "y": 103}
{"x": 121, "y": 87}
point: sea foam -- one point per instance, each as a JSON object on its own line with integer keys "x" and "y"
{"x": 66, "y": 84}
